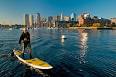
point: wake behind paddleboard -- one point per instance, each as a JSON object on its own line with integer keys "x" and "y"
{"x": 34, "y": 63}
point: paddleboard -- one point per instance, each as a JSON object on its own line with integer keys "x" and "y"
{"x": 34, "y": 63}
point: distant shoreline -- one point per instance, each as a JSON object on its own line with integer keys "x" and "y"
{"x": 108, "y": 28}
{"x": 91, "y": 28}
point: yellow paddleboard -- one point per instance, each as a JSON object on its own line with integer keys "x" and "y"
{"x": 35, "y": 62}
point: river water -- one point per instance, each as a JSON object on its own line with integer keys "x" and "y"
{"x": 85, "y": 53}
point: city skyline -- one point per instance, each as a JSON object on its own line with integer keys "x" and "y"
{"x": 13, "y": 11}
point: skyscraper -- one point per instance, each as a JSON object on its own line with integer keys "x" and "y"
{"x": 38, "y": 20}
{"x": 50, "y": 20}
{"x": 73, "y": 17}
{"x": 61, "y": 17}
{"x": 32, "y": 21}
{"x": 27, "y": 22}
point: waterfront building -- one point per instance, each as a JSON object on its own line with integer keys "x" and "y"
{"x": 55, "y": 20}
{"x": 32, "y": 21}
{"x": 86, "y": 15}
{"x": 50, "y": 19}
{"x": 35, "y": 20}
{"x": 66, "y": 18}
{"x": 105, "y": 22}
{"x": 43, "y": 22}
{"x": 73, "y": 17}
{"x": 113, "y": 20}
{"x": 58, "y": 18}
{"x": 61, "y": 17}
{"x": 38, "y": 20}
{"x": 27, "y": 21}
{"x": 85, "y": 20}
{"x": 81, "y": 20}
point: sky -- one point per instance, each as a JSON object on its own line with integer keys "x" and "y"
{"x": 12, "y": 11}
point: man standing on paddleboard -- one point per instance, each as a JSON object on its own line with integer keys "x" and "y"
{"x": 25, "y": 40}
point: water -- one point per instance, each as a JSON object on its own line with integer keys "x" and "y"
{"x": 89, "y": 53}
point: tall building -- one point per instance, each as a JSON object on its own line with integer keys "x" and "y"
{"x": 43, "y": 22}
{"x": 73, "y": 17}
{"x": 32, "y": 21}
{"x": 61, "y": 17}
{"x": 50, "y": 19}
{"x": 53, "y": 20}
{"x": 27, "y": 22}
{"x": 58, "y": 18}
{"x": 38, "y": 20}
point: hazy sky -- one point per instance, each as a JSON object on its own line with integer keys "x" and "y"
{"x": 12, "y": 11}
